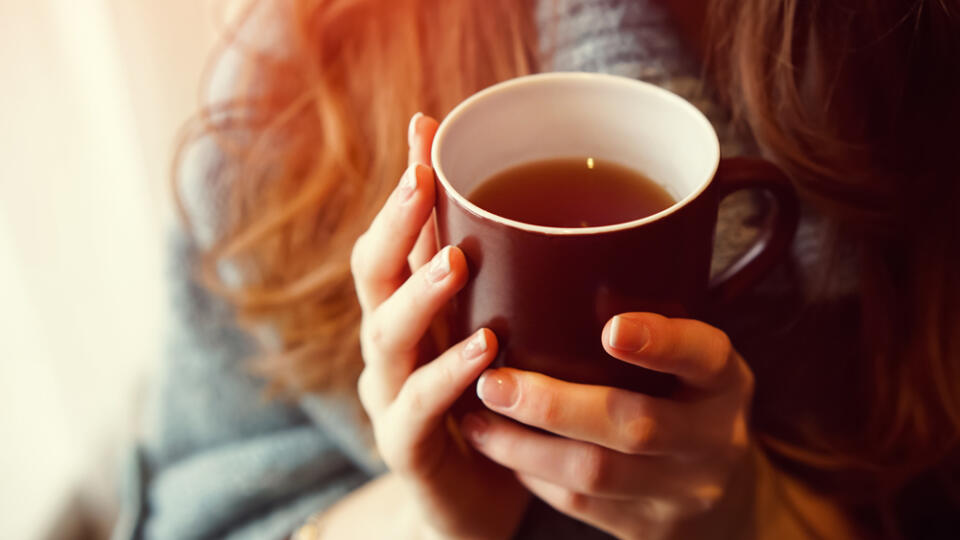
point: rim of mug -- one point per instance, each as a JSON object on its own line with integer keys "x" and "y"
{"x": 638, "y": 85}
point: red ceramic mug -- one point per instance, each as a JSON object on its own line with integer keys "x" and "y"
{"x": 547, "y": 291}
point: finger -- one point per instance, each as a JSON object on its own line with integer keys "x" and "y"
{"x": 605, "y": 514}
{"x": 420, "y": 141}
{"x": 430, "y": 391}
{"x": 576, "y": 465}
{"x": 379, "y": 258}
{"x": 624, "y": 421}
{"x": 420, "y": 138}
{"x": 427, "y": 244}
{"x": 394, "y": 330}
{"x": 697, "y": 353}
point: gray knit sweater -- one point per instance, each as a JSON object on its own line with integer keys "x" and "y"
{"x": 219, "y": 461}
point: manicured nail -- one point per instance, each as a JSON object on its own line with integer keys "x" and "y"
{"x": 476, "y": 346}
{"x": 498, "y": 389}
{"x": 474, "y": 427}
{"x": 439, "y": 266}
{"x": 413, "y": 127}
{"x": 408, "y": 183}
{"x": 628, "y": 335}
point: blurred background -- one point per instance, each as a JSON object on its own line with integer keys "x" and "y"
{"x": 92, "y": 93}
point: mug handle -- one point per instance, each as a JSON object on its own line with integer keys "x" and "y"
{"x": 776, "y": 234}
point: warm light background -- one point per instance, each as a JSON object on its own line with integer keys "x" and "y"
{"x": 91, "y": 95}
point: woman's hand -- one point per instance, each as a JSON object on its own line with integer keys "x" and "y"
{"x": 455, "y": 495}
{"x": 633, "y": 465}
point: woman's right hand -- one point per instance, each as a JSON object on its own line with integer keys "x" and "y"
{"x": 454, "y": 494}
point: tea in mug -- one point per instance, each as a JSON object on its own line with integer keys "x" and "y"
{"x": 571, "y": 192}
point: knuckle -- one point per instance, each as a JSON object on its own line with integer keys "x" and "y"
{"x": 363, "y": 384}
{"x": 443, "y": 374}
{"x": 591, "y": 469}
{"x": 719, "y": 353}
{"x": 413, "y": 295}
{"x": 706, "y": 497}
{"x": 501, "y": 444}
{"x": 365, "y": 389}
{"x": 575, "y": 503}
{"x": 357, "y": 256}
{"x": 366, "y": 340}
{"x": 723, "y": 344}
{"x": 411, "y": 399}
{"x": 423, "y": 383}
{"x": 544, "y": 410}
{"x": 639, "y": 435}
{"x": 658, "y": 510}
{"x": 375, "y": 334}
{"x": 721, "y": 347}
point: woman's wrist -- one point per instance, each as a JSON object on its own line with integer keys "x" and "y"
{"x": 383, "y": 508}
{"x": 732, "y": 517}
{"x": 762, "y": 501}
{"x": 789, "y": 508}
{"x": 415, "y": 522}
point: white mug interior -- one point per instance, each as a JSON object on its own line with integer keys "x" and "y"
{"x": 554, "y": 115}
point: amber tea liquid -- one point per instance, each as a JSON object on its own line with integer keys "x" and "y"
{"x": 571, "y": 192}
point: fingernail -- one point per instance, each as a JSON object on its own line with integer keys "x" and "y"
{"x": 413, "y": 127}
{"x": 476, "y": 346}
{"x": 474, "y": 427}
{"x": 497, "y": 389}
{"x": 408, "y": 183}
{"x": 628, "y": 335}
{"x": 439, "y": 266}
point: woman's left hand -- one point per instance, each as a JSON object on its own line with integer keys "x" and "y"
{"x": 633, "y": 465}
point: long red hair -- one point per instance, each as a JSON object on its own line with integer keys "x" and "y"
{"x": 856, "y": 100}
{"x": 309, "y": 150}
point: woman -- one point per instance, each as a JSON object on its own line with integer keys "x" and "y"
{"x": 841, "y": 421}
